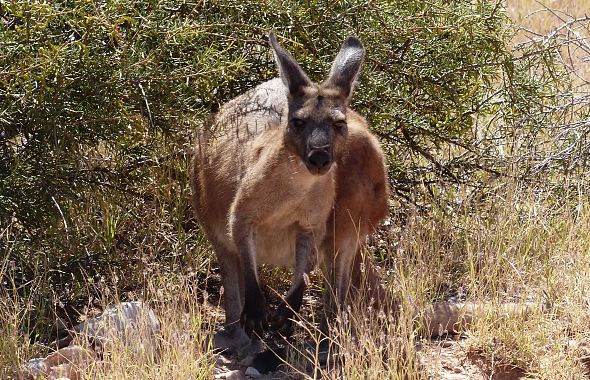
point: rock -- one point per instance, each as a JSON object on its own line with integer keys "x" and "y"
{"x": 253, "y": 373}
{"x": 231, "y": 375}
{"x": 126, "y": 322}
{"x": 65, "y": 371}
{"x": 77, "y": 355}
{"x": 222, "y": 360}
{"x": 33, "y": 369}
{"x": 69, "y": 362}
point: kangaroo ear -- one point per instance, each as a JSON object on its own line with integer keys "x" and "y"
{"x": 346, "y": 67}
{"x": 291, "y": 73}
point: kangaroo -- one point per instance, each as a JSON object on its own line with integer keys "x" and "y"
{"x": 287, "y": 175}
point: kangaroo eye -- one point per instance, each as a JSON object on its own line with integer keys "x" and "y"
{"x": 297, "y": 123}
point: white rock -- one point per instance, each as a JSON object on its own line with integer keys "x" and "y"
{"x": 253, "y": 373}
{"x": 128, "y": 322}
{"x": 222, "y": 360}
{"x": 34, "y": 368}
{"x": 231, "y": 375}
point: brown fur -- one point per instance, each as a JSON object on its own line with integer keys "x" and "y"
{"x": 288, "y": 175}
{"x": 360, "y": 206}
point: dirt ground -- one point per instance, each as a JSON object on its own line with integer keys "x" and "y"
{"x": 441, "y": 359}
{"x": 450, "y": 359}
{"x": 444, "y": 358}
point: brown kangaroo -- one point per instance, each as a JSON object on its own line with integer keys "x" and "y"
{"x": 287, "y": 174}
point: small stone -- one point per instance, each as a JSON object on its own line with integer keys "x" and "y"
{"x": 458, "y": 369}
{"x": 76, "y": 355}
{"x": 446, "y": 344}
{"x": 231, "y": 375}
{"x": 222, "y": 360}
{"x": 252, "y": 372}
{"x": 134, "y": 321}
{"x": 34, "y": 368}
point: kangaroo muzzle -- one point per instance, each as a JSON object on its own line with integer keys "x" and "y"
{"x": 319, "y": 161}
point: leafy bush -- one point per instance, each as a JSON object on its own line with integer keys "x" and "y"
{"x": 99, "y": 101}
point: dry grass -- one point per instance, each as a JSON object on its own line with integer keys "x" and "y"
{"x": 520, "y": 245}
{"x": 528, "y": 248}
{"x": 184, "y": 351}
{"x": 541, "y": 18}
{"x": 535, "y": 252}
{"x": 536, "y": 15}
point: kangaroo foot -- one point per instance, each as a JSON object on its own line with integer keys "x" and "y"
{"x": 281, "y": 321}
{"x": 269, "y": 360}
{"x": 236, "y": 341}
{"x": 254, "y": 314}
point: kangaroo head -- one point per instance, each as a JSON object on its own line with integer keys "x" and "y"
{"x": 316, "y": 128}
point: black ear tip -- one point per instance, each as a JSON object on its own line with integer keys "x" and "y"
{"x": 353, "y": 42}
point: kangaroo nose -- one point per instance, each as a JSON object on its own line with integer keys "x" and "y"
{"x": 319, "y": 160}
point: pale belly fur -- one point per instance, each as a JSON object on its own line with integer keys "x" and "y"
{"x": 276, "y": 246}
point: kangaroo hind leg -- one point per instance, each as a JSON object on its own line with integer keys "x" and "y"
{"x": 233, "y": 337}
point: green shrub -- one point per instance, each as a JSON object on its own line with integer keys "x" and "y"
{"x": 99, "y": 100}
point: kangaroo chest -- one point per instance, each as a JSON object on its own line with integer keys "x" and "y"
{"x": 294, "y": 201}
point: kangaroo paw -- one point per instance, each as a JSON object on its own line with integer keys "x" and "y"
{"x": 281, "y": 321}
{"x": 236, "y": 341}
{"x": 254, "y": 315}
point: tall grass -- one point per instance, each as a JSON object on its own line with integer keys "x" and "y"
{"x": 537, "y": 251}
{"x": 528, "y": 251}
{"x": 15, "y": 347}
{"x": 528, "y": 248}
{"x": 184, "y": 348}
